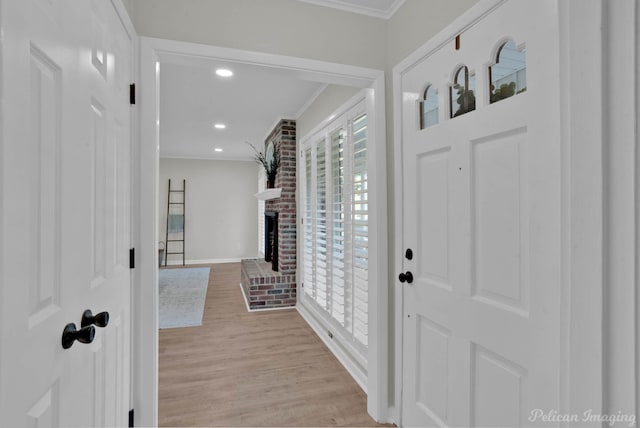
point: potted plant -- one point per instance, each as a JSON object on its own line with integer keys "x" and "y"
{"x": 270, "y": 161}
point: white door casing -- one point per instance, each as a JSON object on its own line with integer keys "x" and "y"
{"x": 481, "y": 211}
{"x": 65, "y": 227}
{"x": 155, "y": 51}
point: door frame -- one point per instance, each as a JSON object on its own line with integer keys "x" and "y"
{"x": 134, "y": 130}
{"x": 583, "y": 192}
{"x": 145, "y": 333}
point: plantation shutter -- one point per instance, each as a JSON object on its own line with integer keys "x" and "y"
{"x": 309, "y": 253}
{"x": 335, "y": 230}
{"x": 360, "y": 233}
{"x": 338, "y": 256}
{"x": 321, "y": 225}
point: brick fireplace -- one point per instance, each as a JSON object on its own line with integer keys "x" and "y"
{"x": 266, "y": 285}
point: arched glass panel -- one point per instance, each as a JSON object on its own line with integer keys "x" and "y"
{"x": 462, "y": 92}
{"x": 508, "y": 75}
{"x": 429, "y": 108}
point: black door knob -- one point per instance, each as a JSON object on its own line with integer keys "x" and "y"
{"x": 406, "y": 277}
{"x": 70, "y": 335}
{"x": 100, "y": 320}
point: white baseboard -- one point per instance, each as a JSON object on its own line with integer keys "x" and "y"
{"x": 263, "y": 309}
{"x": 345, "y": 359}
{"x": 202, "y": 262}
{"x": 392, "y": 417}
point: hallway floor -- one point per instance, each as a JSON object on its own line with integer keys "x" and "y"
{"x": 257, "y": 369}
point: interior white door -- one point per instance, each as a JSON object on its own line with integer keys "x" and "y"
{"x": 65, "y": 226}
{"x": 481, "y": 213}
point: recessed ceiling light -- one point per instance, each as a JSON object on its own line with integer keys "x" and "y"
{"x": 220, "y": 126}
{"x": 224, "y": 72}
{"x": 217, "y": 149}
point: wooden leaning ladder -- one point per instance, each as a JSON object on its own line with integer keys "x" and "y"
{"x": 175, "y": 221}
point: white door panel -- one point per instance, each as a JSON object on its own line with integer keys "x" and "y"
{"x": 65, "y": 70}
{"x": 481, "y": 212}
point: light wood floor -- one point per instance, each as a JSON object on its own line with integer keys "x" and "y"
{"x": 252, "y": 369}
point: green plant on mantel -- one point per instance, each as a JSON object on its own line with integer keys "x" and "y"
{"x": 270, "y": 161}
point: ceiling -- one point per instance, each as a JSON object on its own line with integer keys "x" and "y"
{"x": 250, "y": 103}
{"x": 377, "y": 8}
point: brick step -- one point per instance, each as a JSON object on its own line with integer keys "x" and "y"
{"x": 265, "y": 288}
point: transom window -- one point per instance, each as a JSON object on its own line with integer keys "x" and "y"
{"x": 462, "y": 92}
{"x": 429, "y": 108}
{"x": 508, "y": 76}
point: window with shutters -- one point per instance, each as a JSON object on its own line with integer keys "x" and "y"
{"x": 335, "y": 229}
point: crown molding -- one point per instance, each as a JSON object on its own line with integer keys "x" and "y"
{"x": 363, "y": 10}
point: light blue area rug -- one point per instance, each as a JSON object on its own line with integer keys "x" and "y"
{"x": 182, "y": 295}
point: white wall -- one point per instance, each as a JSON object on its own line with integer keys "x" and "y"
{"x": 285, "y": 27}
{"x": 221, "y": 211}
{"x": 416, "y": 22}
{"x": 327, "y": 102}
{"x": 128, "y": 4}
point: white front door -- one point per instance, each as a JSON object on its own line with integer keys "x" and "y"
{"x": 481, "y": 214}
{"x": 64, "y": 212}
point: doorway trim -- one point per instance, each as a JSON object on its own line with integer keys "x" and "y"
{"x": 583, "y": 194}
{"x": 145, "y": 365}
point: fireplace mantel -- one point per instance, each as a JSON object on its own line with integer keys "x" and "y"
{"x": 269, "y": 194}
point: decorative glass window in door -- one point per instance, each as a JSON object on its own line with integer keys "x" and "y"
{"x": 429, "y": 108}
{"x": 462, "y": 92}
{"x": 508, "y": 76}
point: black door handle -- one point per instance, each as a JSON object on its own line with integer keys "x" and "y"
{"x": 406, "y": 277}
{"x": 100, "y": 320}
{"x": 70, "y": 335}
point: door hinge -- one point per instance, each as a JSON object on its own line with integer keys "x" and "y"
{"x": 132, "y": 258}
{"x": 132, "y": 93}
{"x": 131, "y": 425}
{"x": 301, "y": 221}
{"x": 302, "y": 285}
